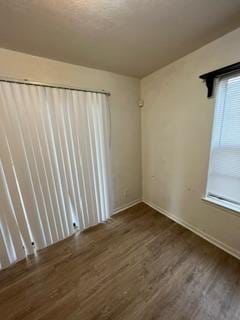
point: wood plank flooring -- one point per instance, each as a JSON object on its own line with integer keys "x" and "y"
{"x": 138, "y": 266}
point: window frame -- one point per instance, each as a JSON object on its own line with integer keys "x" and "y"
{"x": 208, "y": 197}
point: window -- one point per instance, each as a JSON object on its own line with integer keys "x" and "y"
{"x": 223, "y": 186}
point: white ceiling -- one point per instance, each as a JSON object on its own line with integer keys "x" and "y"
{"x": 132, "y": 37}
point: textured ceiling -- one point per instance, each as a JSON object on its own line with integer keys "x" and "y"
{"x": 132, "y": 37}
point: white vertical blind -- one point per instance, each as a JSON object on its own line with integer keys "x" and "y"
{"x": 54, "y": 168}
{"x": 224, "y": 167}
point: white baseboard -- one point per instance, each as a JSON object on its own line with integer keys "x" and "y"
{"x": 195, "y": 230}
{"x": 126, "y": 206}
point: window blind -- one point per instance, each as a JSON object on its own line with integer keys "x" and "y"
{"x": 224, "y": 166}
{"x": 54, "y": 166}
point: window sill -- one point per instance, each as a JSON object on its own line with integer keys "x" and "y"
{"x": 233, "y": 208}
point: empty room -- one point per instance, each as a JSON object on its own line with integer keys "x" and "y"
{"x": 120, "y": 160}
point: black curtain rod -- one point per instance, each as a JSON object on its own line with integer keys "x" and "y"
{"x": 210, "y": 76}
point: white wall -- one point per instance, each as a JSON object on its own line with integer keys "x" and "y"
{"x": 176, "y": 132}
{"x": 125, "y": 113}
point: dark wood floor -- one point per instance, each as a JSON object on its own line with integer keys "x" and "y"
{"x": 139, "y": 265}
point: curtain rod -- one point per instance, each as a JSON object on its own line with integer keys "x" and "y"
{"x": 49, "y": 85}
{"x": 210, "y": 76}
